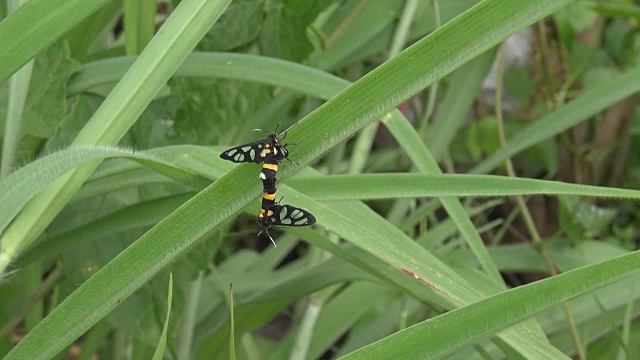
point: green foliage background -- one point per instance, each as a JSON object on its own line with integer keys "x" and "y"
{"x": 114, "y": 113}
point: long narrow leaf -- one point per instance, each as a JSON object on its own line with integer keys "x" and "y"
{"x": 221, "y": 65}
{"x": 162, "y": 343}
{"x": 21, "y": 186}
{"x": 385, "y": 186}
{"x": 440, "y": 336}
{"x": 36, "y": 25}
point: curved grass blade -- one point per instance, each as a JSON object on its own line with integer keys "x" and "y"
{"x": 446, "y": 333}
{"x": 25, "y": 183}
{"x": 220, "y": 65}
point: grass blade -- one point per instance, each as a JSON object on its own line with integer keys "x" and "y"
{"x": 232, "y": 332}
{"x": 162, "y": 343}
{"x": 442, "y": 335}
{"x": 21, "y": 186}
{"x": 139, "y": 24}
{"x": 385, "y": 186}
{"x": 38, "y": 24}
{"x": 18, "y": 89}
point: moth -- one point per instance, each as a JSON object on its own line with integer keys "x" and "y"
{"x": 258, "y": 151}
{"x": 270, "y": 152}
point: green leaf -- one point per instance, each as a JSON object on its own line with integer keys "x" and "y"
{"x": 616, "y": 9}
{"x": 35, "y": 26}
{"x": 140, "y": 215}
{"x": 465, "y": 84}
{"x": 225, "y": 66}
{"x": 82, "y": 108}
{"x": 46, "y": 103}
{"x": 442, "y": 335}
{"x": 139, "y": 24}
{"x": 84, "y": 37}
{"x": 18, "y": 188}
{"x": 12, "y": 109}
{"x": 201, "y": 111}
{"x": 281, "y": 28}
{"x": 356, "y": 23}
{"x": 583, "y": 220}
{"x": 163, "y": 338}
{"x": 238, "y": 26}
{"x": 385, "y": 186}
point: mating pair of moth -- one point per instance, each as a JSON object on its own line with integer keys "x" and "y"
{"x": 270, "y": 152}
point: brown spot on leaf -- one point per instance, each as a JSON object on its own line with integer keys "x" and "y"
{"x": 422, "y": 280}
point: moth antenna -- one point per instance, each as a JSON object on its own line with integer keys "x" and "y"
{"x": 284, "y": 135}
{"x": 277, "y": 126}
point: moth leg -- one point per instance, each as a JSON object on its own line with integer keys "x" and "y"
{"x": 266, "y": 230}
{"x": 270, "y": 238}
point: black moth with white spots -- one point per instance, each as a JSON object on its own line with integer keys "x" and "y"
{"x": 257, "y": 151}
{"x": 271, "y": 152}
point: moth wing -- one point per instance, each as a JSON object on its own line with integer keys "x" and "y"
{"x": 288, "y": 215}
{"x": 252, "y": 152}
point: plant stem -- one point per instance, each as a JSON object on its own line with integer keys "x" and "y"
{"x": 49, "y": 282}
